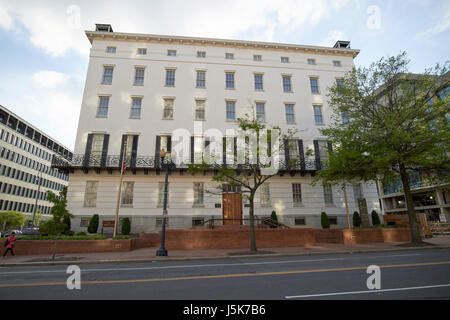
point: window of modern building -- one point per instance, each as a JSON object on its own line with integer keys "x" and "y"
{"x": 170, "y": 77}
{"x": 136, "y": 106}
{"x": 231, "y": 110}
{"x": 318, "y": 118}
{"x": 103, "y": 106}
{"x": 201, "y": 54}
{"x": 201, "y": 79}
{"x": 314, "y": 85}
{"x": 199, "y": 110}
{"x": 139, "y": 76}
{"x": 259, "y": 82}
{"x": 107, "y": 74}
{"x": 172, "y": 53}
{"x": 297, "y": 194}
{"x": 284, "y": 59}
{"x": 260, "y": 112}
{"x": 229, "y": 56}
{"x": 311, "y": 61}
{"x": 328, "y": 194}
{"x": 290, "y": 116}
{"x": 287, "y": 87}
{"x": 90, "y": 196}
{"x": 198, "y": 193}
{"x": 161, "y": 194}
{"x": 229, "y": 80}
{"x": 257, "y": 57}
{"x": 142, "y": 51}
{"x": 168, "y": 108}
{"x": 127, "y": 193}
{"x": 111, "y": 49}
{"x": 265, "y": 195}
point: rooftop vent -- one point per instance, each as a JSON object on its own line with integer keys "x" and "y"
{"x": 103, "y": 28}
{"x": 342, "y": 44}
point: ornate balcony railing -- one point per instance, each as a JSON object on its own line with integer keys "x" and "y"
{"x": 79, "y": 161}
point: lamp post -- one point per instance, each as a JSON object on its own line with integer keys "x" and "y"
{"x": 39, "y": 178}
{"x": 162, "y": 252}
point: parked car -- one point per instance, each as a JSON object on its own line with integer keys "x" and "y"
{"x": 32, "y": 231}
{"x": 8, "y": 233}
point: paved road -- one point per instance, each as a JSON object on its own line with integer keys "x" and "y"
{"x": 412, "y": 274}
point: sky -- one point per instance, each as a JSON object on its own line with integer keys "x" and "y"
{"x": 44, "y": 52}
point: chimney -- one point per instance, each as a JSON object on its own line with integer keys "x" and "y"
{"x": 103, "y": 27}
{"x": 342, "y": 44}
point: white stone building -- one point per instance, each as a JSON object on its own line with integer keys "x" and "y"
{"x": 144, "y": 87}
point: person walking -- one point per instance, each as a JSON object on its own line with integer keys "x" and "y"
{"x": 11, "y": 241}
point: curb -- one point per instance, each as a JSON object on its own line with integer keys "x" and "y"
{"x": 155, "y": 260}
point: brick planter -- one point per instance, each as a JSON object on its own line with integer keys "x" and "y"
{"x": 362, "y": 236}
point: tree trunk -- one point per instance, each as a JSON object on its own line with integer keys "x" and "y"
{"x": 252, "y": 224}
{"x": 415, "y": 232}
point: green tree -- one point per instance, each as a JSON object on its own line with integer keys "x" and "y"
{"x": 273, "y": 218}
{"x": 397, "y": 125}
{"x": 324, "y": 221}
{"x": 375, "y": 218}
{"x": 93, "y": 224}
{"x": 250, "y": 176}
{"x": 126, "y": 226}
{"x": 356, "y": 219}
{"x": 11, "y": 219}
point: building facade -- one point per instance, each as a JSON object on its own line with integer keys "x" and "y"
{"x": 147, "y": 89}
{"x": 26, "y": 173}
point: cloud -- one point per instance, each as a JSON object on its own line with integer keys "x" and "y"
{"x": 6, "y": 22}
{"x": 442, "y": 26}
{"x": 332, "y": 37}
{"x": 50, "y": 79}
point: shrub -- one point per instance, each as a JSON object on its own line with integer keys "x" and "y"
{"x": 375, "y": 218}
{"x": 66, "y": 221}
{"x": 93, "y": 224}
{"x": 356, "y": 219}
{"x": 324, "y": 221}
{"x": 126, "y": 226}
{"x": 273, "y": 218}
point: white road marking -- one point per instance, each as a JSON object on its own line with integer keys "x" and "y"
{"x": 201, "y": 265}
{"x": 367, "y": 291}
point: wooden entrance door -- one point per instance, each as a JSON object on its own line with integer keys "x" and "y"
{"x": 232, "y": 208}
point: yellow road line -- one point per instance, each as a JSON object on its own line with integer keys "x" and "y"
{"x": 39, "y": 284}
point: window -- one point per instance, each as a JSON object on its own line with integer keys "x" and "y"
{"x": 229, "y": 80}
{"x": 328, "y": 194}
{"x": 97, "y": 147}
{"x": 103, "y": 105}
{"x": 333, "y": 220}
{"x": 170, "y": 77}
{"x": 201, "y": 79}
{"x": 172, "y": 53}
{"x": 107, "y": 75}
{"x": 300, "y": 221}
{"x": 318, "y": 118}
{"x": 336, "y": 63}
{"x": 201, "y": 54}
{"x": 111, "y": 49}
{"x": 198, "y": 193}
{"x": 311, "y": 61}
{"x": 142, "y": 51}
{"x": 199, "y": 145}
{"x": 161, "y": 194}
{"x": 231, "y": 110}
{"x": 339, "y": 82}
{"x": 136, "y": 107}
{"x": 127, "y": 193}
{"x": 164, "y": 145}
{"x": 197, "y": 222}
{"x": 84, "y": 222}
{"x": 357, "y": 192}
{"x": 259, "y": 82}
{"x": 229, "y": 56}
{"x": 344, "y": 116}
{"x": 314, "y": 85}
{"x": 159, "y": 222}
{"x": 257, "y": 57}
{"x": 139, "y": 76}
{"x": 297, "y": 194}
{"x": 293, "y": 149}
{"x": 287, "y": 83}
{"x": 90, "y": 196}
{"x": 168, "y": 109}
{"x": 265, "y": 195}
{"x": 284, "y": 60}
{"x": 260, "y": 114}
{"x": 323, "y": 149}
{"x": 290, "y": 117}
{"x": 199, "y": 110}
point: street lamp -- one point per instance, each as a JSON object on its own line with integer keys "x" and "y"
{"x": 37, "y": 178}
{"x": 167, "y": 164}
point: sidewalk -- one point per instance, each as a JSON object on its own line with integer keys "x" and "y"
{"x": 149, "y": 254}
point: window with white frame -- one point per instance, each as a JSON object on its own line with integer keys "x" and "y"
{"x": 90, "y": 195}
{"x": 265, "y": 195}
{"x": 139, "y": 76}
{"x": 107, "y": 74}
{"x": 323, "y": 149}
{"x": 287, "y": 87}
{"x": 111, "y": 49}
{"x": 260, "y": 112}
{"x": 199, "y": 110}
{"x": 284, "y": 59}
{"x": 172, "y": 53}
{"x": 142, "y": 51}
{"x": 164, "y": 145}
{"x": 257, "y": 57}
{"x": 259, "y": 82}
{"x": 297, "y": 194}
{"x": 127, "y": 193}
{"x": 201, "y": 79}
{"x": 336, "y": 63}
{"x": 318, "y": 117}
{"x": 103, "y": 105}
{"x": 293, "y": 149}
{"x": 229, "y": 56}
{"x": 201, "y": 54}
{"x": 229, "y": 80}
{"x": 345, "y": 117}
{"x": 199, "y": 146}
{"x": 231, "y": 110}
{"x": 198, "y": 193}
{"x": 314, "y": 85}
{"x": 161, "y": 194}
{"x": 136, "y": 105}
{"x": 170, "y": 77}
{"x": 168, "y": 109}
{"x": 328, "y": 194}
{"x": 290, "y": 116}
{"x": 311, "y": 61}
